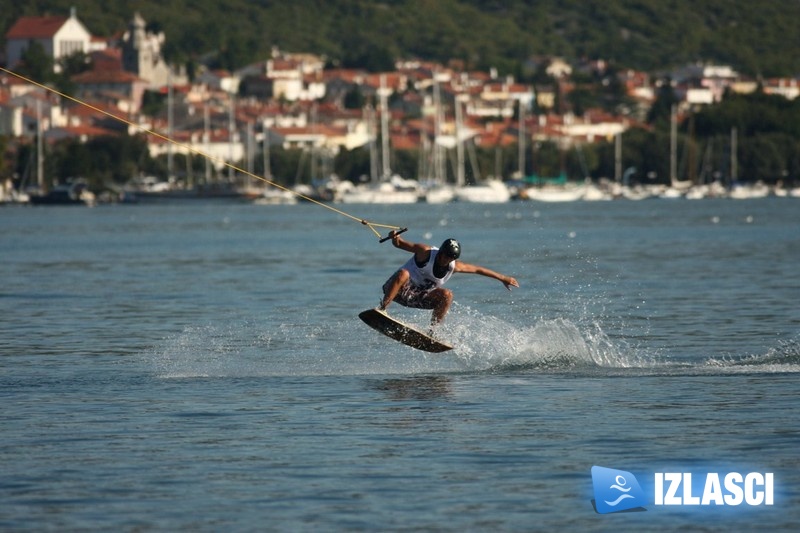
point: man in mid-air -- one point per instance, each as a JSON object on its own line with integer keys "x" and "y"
{"x": 419, "y": 282}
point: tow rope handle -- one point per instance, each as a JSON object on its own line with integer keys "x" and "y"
{"x": 371, "y": 225}
{"x": 398, "y": 232}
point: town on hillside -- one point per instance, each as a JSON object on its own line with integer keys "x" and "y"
{"x": 234, "y": 122}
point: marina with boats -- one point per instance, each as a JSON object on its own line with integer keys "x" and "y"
{"x": 279, "y": 130}
{"x": 396, "y": 190}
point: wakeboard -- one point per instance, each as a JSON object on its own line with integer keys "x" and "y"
{"x": 408, "y": 335}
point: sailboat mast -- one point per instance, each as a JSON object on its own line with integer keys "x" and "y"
{"x": 521, "y": 144}
{"x": 170, "y": 126}
{"x": 459, "y": 145}
{"x": 231, "y": 140}
{"x": 266, "y": 153}
{"x": 734, "y": 161}
{"x": 39, "y": 148}
{"x": 373, "y": 156}
{"x": 384, "y": 128}
{"x": 438, "y": 166}
{"x": 250, "y": 153}
{"x": 206, "y": 142}
{"x": 673, "y": 145}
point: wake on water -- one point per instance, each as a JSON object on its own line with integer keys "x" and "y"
{"x": 482, "y": 344}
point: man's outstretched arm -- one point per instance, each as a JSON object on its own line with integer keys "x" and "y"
{"x": 468, "y": 268}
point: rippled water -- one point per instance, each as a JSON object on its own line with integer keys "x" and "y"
{"x": 200, "y": 366}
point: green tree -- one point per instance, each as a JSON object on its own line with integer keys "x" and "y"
{"x": 76, "y": 159}
{"x": 752, "y": 114}
{"x": 764, "y": 157}
{"x": 36, "y": 63}
{"x": 153, "y": 103}
{"x": 354, "y": 99}
{"x": 352, "y": 164}
{"x": 103, "y": 161}
{"x": 70, "y": 66}
{"x": 661, "y": 109}
{"x": 547, "y": 160}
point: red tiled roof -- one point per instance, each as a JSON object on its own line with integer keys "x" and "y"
{"x": 404, "y": 141}
{"x": 105, "y": 76}
{"x": 35, "y": 27}
{"x": 319, "y": 129}
{"x": 85, "y": 113}
{"x": 90, "y": 131}
{"x": 187, "y": 137}
{"x": 108, "y": 59}
{"x": 8, "y": 81}
{"x": 348, "y": 75}
{"x": 176, "y": 89}
{"x": 393, "y": 80}
{"x": 500, "y": 137}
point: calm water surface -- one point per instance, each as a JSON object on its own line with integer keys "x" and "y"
{"x": 200, "y": 366}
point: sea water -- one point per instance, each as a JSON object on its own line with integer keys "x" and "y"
{"x": 200, "y": 367}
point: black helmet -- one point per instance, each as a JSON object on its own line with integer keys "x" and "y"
{"x": 451, "y": 247}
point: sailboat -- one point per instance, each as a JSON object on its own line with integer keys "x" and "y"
{"x": 490, "y": 191}
{"x": 677, "y": 187}
{"x": 544, "y": 189}
{"x": 390, "y": 188}
{"x": 436, "y": 190}
{"x": 271, "y": 195}
{"x": 76, "y": 192}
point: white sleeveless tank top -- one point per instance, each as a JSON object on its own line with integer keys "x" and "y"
{"x": 423, "y": 278}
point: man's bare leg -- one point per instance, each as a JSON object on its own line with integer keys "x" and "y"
{"x": 441, "y": 299}
{"x": 400, "y": 278}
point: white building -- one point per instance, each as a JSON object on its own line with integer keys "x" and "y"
{"x": 59, "y": 36}
{"x": 219, "y": 80}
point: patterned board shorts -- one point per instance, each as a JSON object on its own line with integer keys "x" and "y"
{"x": 410, "y": 295}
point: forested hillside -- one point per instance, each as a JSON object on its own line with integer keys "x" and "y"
{"x": 757, "y": 38}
